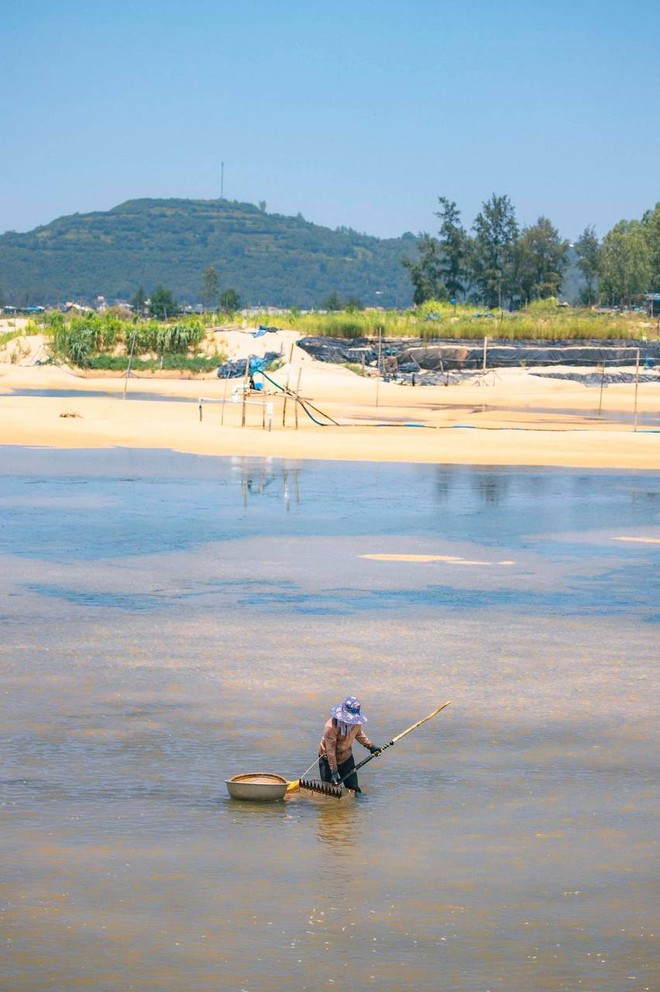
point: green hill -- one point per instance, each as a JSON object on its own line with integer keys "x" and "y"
{"x": 269, "y": 259}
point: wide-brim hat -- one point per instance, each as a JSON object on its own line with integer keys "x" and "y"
{"x": 349, "y": 712}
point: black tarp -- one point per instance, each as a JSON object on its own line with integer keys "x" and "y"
{"x": 606, "y": 376}
{"x": 408, "y": 356}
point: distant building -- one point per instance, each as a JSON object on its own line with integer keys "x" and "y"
{"x": 654, "y": 304}
{"x": 70, "y": 307}
{"x": 24, "y": 311}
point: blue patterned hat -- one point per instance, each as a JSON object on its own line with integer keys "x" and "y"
{"x": 348, "y": 712}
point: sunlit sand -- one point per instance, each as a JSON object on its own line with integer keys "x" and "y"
{"x": 639, "y": 540}
{"x": 508, "y": 417}
{"x": 421, "y": 559}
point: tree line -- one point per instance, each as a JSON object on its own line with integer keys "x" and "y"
{"x": 162, "y": 304}
{"x": 500, "y": 265}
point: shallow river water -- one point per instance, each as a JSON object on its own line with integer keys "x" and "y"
{"x": 169, "y": 621}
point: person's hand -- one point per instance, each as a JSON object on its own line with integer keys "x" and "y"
{"x": 375, "y": 749}
{"x": 335, "y": 778}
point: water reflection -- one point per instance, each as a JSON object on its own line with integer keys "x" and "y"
{"x": 148, "y": 498}
{"x": 493, "y": 487}
{"x": 338, "y": 827}
{"x": 267, "y": 475}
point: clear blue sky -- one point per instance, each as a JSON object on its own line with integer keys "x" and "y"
{"x": 357, "y": 112}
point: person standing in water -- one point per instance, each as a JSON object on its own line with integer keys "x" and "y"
{"x": 336, "y": 762}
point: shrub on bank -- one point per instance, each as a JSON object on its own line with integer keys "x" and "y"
{"x": 170, "y": 363}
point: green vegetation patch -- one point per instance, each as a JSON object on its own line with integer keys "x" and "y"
{"x": 170, "y": 363}
{"x": 435, "y": 320}
{"x": 108, "y": 342}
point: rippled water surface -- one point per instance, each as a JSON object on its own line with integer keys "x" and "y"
{"x": 169, "y": 621}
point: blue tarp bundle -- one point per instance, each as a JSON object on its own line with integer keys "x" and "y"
{"x": 237, "y": 368}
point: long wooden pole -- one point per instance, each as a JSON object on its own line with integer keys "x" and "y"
{"x": 224, "y": 400}
{"x": 298, "y": 395}
{"x": 288, "y": 380}
{"x": 420, "y": 722}
{"x": 636, "y": 386}
{"x": 245, "y": 388}
{"x": 403, "y": 733}
{"x": 128, "y": 367}
{"x": 380, "y": 359}
{"x": 397, "y": 738}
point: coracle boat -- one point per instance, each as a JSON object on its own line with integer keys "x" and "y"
{"x": 257, "y": 787}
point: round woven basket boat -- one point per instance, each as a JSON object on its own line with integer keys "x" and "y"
{"x": 257, "y": 786}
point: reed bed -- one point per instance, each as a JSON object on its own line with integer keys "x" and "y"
{"x": 444, "y": 322}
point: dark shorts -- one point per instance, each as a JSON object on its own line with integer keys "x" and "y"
{"x": 344, "y": 769}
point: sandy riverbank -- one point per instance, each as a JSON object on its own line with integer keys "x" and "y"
{"x": 512, "y": 417}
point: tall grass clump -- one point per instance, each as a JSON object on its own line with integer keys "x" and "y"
{"x": 80, "y": 338}
{"x": 536, "y": 323}
{"x": 184, "y": 337}
{"x": 53, "y": 320}
{"x": 31, "y": 327}
{"x": 83, "y": 340}
{"x": 154, "y": 337}
{"x": 8, "y": 336}
{"x": 350, "y": 326}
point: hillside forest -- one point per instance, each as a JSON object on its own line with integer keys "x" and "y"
{"x": 165, "y": 255}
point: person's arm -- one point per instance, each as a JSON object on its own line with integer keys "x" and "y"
{"x": 363, "y": 739}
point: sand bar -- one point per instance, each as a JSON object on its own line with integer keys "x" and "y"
{"x": 509, "y": 417}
